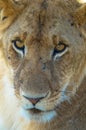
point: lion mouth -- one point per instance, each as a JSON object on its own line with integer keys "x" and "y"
{"x": 37, "y": 114}
{"x": 35, "y": 111}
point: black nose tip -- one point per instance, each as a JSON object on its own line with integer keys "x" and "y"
{"x": 34, "y": 101}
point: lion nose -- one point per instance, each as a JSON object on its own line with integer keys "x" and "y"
{"x": 34, "y": 101}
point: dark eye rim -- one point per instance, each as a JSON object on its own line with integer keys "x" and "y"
{"x": 4, "y": 17}
{"x": 15, "y": 45}
{"x": 56, "y": 51}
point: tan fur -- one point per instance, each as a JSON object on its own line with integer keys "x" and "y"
{"x": 59, "y": 80}
{"x": 80, "y": 15}
{"x": 8, "y": 13}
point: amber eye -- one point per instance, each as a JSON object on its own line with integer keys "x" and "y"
{"x": 18, "y": 45}
{"x": 60, "y": 48}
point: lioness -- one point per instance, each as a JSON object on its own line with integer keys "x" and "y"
{"x": 43, "y": 66}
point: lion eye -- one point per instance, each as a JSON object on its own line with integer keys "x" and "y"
{"x": 18, "y": 45}
{"x": 4, "y": 17}
{"x": 60, "y": 49}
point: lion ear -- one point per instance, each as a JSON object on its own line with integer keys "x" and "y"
{"x": 80, "y": 15}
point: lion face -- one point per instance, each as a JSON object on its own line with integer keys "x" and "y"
{"x": 46, "y": 55}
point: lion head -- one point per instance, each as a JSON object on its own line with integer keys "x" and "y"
{"x": 45, "y": 51}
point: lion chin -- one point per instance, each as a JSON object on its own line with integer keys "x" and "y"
{"x": 37, "y": 115}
